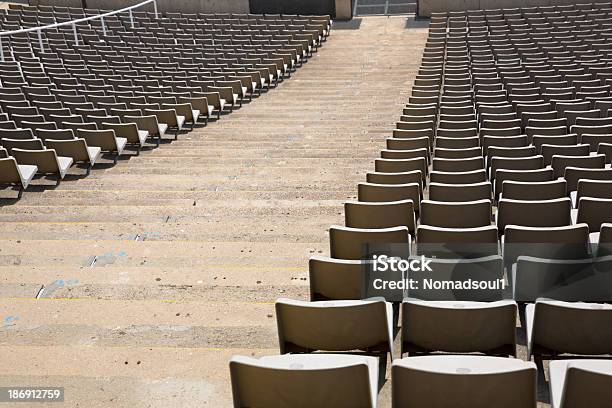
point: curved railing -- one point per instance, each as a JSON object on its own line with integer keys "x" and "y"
{"x": 74, "y": 23}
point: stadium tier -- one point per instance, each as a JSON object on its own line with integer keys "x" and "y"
{"x": 474, "y": 265}
{"x": 75, "y": 91}
{"x": 498, "y": 169}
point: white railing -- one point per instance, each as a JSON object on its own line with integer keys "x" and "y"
{"x": 74, "y": 23}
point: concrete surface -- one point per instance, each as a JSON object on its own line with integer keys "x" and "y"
{"x": 154, "y": 272}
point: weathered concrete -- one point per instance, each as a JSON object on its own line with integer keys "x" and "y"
{"x": 344, "y": 9}
{"x": 159, "y": 269}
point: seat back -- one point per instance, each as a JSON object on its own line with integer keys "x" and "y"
{"x": 370, "y": 192}
{"x": 9, "y": 173}
{"x": 301, "y": 381}
{"x": 536, "y": 213}
{"x": 105, "y": 139}
{"x": 467, "y": 381}
{"x": 561, "y": 327}
{"x": 460, "y": 326}
{"x": 594, "y": 212}
{"x": 75, "y": 148}
{"x": 380, "y": 215}
{"x": 357, "y": 243}
{"x": 567, "y": 242}
{"x": 444, "y": 214}
{"x": 538, "y": 190}
{"x": 460, "y": 192}
{"x": 336, "y": 279}
{"x": 45, "y": 160}
{"x": 339, "y": 325}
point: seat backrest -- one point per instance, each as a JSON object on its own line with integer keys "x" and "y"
{"x": 370, "y": 215}
{"x": 594, "y": 188}
{"x": 560, "y": 163}
{"x": 167, "y": 116}
{"x": 563, "y": 279}
{"x": 336, "y": 279}
{"x": 516, "y": 163}
{"x": 9, "y": 173}
{"x": 567, "y": 242}
{"x": 457, "y": 242}
{"x": 464, "y": 177}
{"x": 148, "y": 123}
{"x": 460, "y": 192}
{"x": 63, "y": 134}
{"x": 401, "y": 166}
{"x": 460, "y": 326}
{"x": 75, "y": 148}
{"x": 594, "y": 212}
{"x": 563, "y": 327}
{"x": 370, "y": 192}
{"x": 574, "y": 174}
{"x": 502, "y": 175}
{"x": 291, "y": 381}
{"x": 458, "y": 165}
{"x": 565, "y": 140}
{"x": 408, "y": 177}
{"x": 105, "y": 139}
{"x": 46, "y": 160}
{"x": 540, "y": 190}
{"x": 467, "y": 381}
{"x": 28, "y": 144}
{"x": 357, "y": 243}
{"x": 468, "y": 214}
{"x": 587, "y": 383}
{"x": 548, "y": 151}
{"x": 339, "y": 325}
{"x": 536, "y": 213}
{"x": 16, "y": 134}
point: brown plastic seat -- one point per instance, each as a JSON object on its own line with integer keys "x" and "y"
{"x": 560, "y": 163}
{"x": 47, "y": 161}
{"x": 538, "y": 190}
{"x": 533, "y": 213}
{"x": 460, "y": 326}
{"x": 502, "y": 175}
{"x": 185, "y": 110}
{"x": 548, "y": 151}
{"x": 76, "y": 149}
{"x": 567, "y": 242}
{"x": 460, "y": 192}
{"x": 580, "y": 383}
{"x": 444, "y": 214}
{"x": 556, "y": 327}
{"x": 130, "y": 132}
{"x": 357, "y": 243}
{"x": 467, "y": 177}
{"x": 105, "y": 140}
{"x": 408, "y": 177}
{"x": 594, "y": 212}
{"x": 467, "y": 381}
{"x": 336, "y": 279}
{"x": 401, "y": 166}
{"x": 380, "y": 215}
{"x": 305, "y": 380}
{"x": 458, "y": 165}
{"x": 15, "y": 174}
{"x": 338, "y": 325}
{"x": 150, "y": 124}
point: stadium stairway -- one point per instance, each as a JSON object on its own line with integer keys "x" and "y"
{"x": 134, "y": 286}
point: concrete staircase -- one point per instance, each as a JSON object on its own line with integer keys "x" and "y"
{"x": 133, "y": 287}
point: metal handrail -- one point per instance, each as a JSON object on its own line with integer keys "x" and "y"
{"x": 74, "y": 23}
